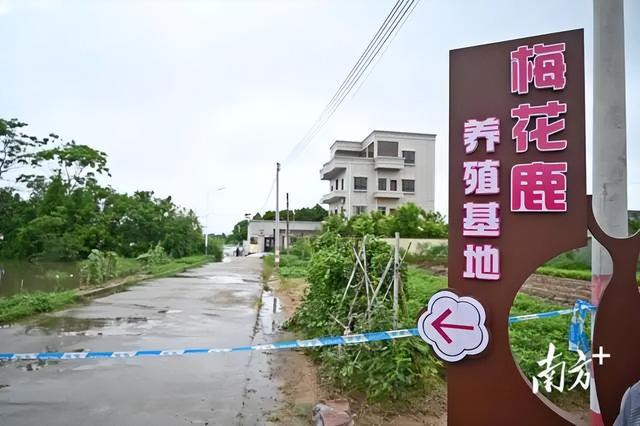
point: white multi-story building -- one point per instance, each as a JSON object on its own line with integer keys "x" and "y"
{"x": 384, "y": 171}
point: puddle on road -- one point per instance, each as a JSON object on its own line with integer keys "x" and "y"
{"x": 270, "y": 308}
{"x": 260, "y": 396}
{"x": 225, "y": 279}
{"x": 72, "y": 326}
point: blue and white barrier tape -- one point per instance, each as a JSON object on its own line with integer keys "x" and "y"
{"x": 580, "y": 305}
{"x": 310, "y": 343}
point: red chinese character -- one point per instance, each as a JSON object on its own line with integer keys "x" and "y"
{"x": 543, "y": 128}
{"x": 539, "y": 187}
{"x": 481, "y": 220}
{"x": 546, "y": 71}
{"x": 487, "y": 129}
{"x": 482, "y": 262}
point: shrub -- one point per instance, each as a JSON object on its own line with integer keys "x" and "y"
{"x": 383, "y": 370}
{"x": 99, "y": 267}
{"x": 155, "y": 256}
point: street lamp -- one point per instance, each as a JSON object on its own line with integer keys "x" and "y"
{"x": 206, "y": 222}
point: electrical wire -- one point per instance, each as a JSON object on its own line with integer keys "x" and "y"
{"x": 387, "y": 29}
{"x": 383, "y": 37}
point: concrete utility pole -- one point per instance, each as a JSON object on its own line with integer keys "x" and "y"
{"x": 206, "y": 222}
{"x": 396, "y": 279}
{"x": 277, "y": 239}
{"x": 206, "y": 228}
{"x": 609, "y": 146}
{"x": 286, "y": 238}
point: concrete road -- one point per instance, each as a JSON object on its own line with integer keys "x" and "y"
{"x": 212, "y": 306}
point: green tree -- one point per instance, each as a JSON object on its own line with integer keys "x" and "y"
{"x": 239, "y": 233}
{"x": 66, "y": 214}
{"x": 412, "y": 221}
{"x": 16, "y": 148}
{"x": 77, "y": 165}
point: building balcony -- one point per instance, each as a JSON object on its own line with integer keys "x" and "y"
{"x": 334, "y": 197}
{"x": 392, "y": 163}
{"x": 333, "y": 168}
{"x": 337, "y": 165}
{"x": 392, "y": 195}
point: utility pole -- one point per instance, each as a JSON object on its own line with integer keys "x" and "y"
{"x": 286, "y": 238}
{"x": 609, "y": 147}
{"x": 396, "y": 279}
{"x": 277, "y": 239}
{"x": 206, "y": 228}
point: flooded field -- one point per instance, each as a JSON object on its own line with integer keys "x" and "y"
{"x": 20, "y": 275}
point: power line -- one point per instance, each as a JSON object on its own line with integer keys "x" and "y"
{"x": 340, "y": 94}
{"x": 386, "y": 48}
{"x": 266, "y": 201}
{"x": 362, "y": 56}
{"x": 389, "y": 28}
{"x": 363, "y": 70}
{"x": 386, "y": 30}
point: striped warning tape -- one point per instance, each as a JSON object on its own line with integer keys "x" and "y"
{"x": 310, "y": 343}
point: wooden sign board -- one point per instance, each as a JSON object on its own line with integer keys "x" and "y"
{"x": 517, "y": 198}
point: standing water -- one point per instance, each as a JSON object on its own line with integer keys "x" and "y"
{"x": 25, "y": 276}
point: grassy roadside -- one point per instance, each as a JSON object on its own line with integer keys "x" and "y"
{"x": 529, "y": 340}
{"x": 22, "y": 305}
{"x": 576, "y": 274}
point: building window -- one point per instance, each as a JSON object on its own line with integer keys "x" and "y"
{"x": 409, "y": 157}
{"x": 253, "y": 240}
{"x": 382, "y": 210}
{"x": 392, "y": 211}
{"x": 336, "y": 184}
{"x": 382, "y": 184}
{"x": 408, "y": 185}
{"x": 331, "y": 187}
{"x": 370, "y": 150}
{"x": 341, "y": 184}
{"x": 360, "y": 209}
{"x": 387, "y": 149}
{"x": 360, "y": 183}
{"x": 393, "y": 185}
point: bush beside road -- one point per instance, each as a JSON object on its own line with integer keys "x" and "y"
{"x": 390, "y": 374}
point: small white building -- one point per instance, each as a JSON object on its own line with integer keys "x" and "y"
{"x": 382, "y": 172}
{"x": 261, "y": 233}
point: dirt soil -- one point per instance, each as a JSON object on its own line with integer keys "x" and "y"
{"x": 302, "y": 386}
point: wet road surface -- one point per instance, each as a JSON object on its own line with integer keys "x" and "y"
{"x": 212, "y": 306}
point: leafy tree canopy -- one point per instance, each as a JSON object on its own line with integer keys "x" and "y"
{"x": 66, "y": 213}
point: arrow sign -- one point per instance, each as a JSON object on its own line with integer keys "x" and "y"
{"x": 464, "y": 332}
{"x": 438, "y": 324}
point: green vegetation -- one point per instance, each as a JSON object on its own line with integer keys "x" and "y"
{"x": 572, "y": 260}
{"x": 381, "y": 371}
{"x": 429, "y": 254}
{"x": 66, "y": 213}
{"x": 576, "y": 274}
{"x": 396, "y": 371}
{"x": 21, "y": 305}
{"x": 409, "y": 220}
{"x": 529, "y": 339}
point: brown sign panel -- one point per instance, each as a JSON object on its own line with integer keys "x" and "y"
{"x": 517, "y": 198}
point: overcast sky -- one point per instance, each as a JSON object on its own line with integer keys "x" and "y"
{"x": 189, "y": 96}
